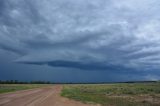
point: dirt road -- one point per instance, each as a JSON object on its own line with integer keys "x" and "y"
{"x": 49, "y": 96}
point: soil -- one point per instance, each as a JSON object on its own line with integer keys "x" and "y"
{"x": 46, "y": 96}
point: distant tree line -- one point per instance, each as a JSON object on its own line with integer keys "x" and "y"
{"x": 48, "y": 82}
{"x": 24, "y": 82}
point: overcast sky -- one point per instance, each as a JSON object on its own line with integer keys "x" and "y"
{"x": 80, "y": 40}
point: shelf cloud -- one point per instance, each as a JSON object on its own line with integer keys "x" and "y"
{"x": 115, "y": 35}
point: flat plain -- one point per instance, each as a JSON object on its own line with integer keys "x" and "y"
{"x": 119, "y": 94}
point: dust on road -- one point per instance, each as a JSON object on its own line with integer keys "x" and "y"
{"x": 48, "y": 96}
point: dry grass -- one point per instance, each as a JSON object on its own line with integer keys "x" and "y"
{"x": 140, "y": 94}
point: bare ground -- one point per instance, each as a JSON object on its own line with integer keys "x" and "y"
{"x": 48, "y": 96}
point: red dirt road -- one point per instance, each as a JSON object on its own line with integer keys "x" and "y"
{"x": 49, "y": 96}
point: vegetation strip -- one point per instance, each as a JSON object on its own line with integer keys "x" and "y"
{"x": 4, "y": 88}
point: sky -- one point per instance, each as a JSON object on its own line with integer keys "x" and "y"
{"x": 80, "y": 40}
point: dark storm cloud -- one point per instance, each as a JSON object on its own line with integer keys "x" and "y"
{"x": 97, "y": 35}
{"x": 82, "y": 66}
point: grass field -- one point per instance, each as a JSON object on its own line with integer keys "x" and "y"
{"x": 4, "y": 88}
{"x": 135, "y": 94}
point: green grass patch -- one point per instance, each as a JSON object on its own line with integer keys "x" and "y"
{"x": 4, "y": 88}
{"x": 138, "y": 94}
